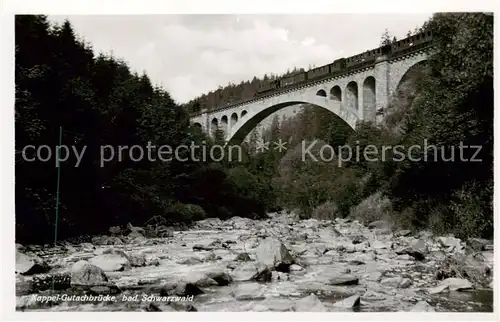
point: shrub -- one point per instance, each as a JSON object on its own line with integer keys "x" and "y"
{"x": 194, "y": 212}
{"x": 472, "y": 210}
{"x": 439, "y": 220}
{"x": 347, "y": 190}
{"x": 185, "y": 212}
{"x": 404, "y": 219}
{"x": 375, "y": 207}
{"x": 325, "y": 211}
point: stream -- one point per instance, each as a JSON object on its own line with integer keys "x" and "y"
{"x": 279, "y": 264}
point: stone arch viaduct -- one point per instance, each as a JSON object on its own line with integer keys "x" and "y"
{"x": 354, "y": 96}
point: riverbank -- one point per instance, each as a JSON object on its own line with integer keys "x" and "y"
{"x": 278, "y": 264}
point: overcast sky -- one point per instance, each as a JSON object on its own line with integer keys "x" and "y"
{"x": 193, "y": 54}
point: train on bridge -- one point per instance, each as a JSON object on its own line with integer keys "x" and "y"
{"x": 341, "y": 66}
{"x": 345, "y": 65}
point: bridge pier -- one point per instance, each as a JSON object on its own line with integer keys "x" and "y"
{"x": 382, "y": 75}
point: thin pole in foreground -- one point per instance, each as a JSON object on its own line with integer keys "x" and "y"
{"x": 58, "y": 184}
{"x": 57, "y": 195}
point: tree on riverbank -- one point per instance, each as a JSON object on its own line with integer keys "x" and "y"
{"x": 98, "y": 102}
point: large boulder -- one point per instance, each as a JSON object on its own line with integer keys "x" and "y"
{"x": 137, "y": 259}
{"x": 222, "y": 278}
{"x": 451, "y": 244}
{"x": 274, "y": 254}
{"x": 451, "y": 284}
{"x": 85, "y": 274}
{"x": 30, "y": 264}
{"x": 418, "y": 250}
{"x": 348, "y": 303}
{"x": 251, "y": 271}
{"x": 343, "y": 280}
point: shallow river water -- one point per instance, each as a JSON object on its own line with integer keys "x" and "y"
{"x": 323, "y": 250}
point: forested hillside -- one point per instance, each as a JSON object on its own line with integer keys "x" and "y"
{"x": 98, "y": 101}
{"x": 447, "y": 103}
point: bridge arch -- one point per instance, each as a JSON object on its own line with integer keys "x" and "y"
{"x": 214, "y": 125}
{"x": 224, "y": 122}
{"x": 417, "y": 70}
{"x": 197, "y": 125}
{"x": 351, "y": 92}
{"x": 336, "y": 93}
{"x": 234, "y": 120}
{"x": 244, "y": 113}
{"x": 405, "y": 68}
{"x": 369, "y": 99}
{"x": 321, "y": 92}
{"x": 269, "y": 106}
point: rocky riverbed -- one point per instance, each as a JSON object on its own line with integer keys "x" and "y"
{"x": 278, "y": 264}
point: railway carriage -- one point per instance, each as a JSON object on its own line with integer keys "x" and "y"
{"x": 268, "y": 86}
{"x": 339, "y": 66}
{"x": 418, "y": 41}
{"x": 295, "y": 78}
{"x": 353, "y": 61}
{"x": 362, "y": 60}
{"x": 423, "y": 39}
{"x": 286, "y": 81}
{"x": 319, "y": 72}
{"x": 300, "y": 77}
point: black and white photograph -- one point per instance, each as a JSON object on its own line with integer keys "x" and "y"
{"x": 334, "y": 162}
